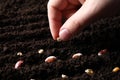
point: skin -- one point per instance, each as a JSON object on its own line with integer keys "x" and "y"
{"x": 77, "y": 14}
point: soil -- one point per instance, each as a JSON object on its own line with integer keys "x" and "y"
{"x": 24, "y": 28}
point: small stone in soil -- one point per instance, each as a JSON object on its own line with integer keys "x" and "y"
{"x": 50, "y": 59}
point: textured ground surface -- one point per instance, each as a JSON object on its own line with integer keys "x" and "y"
{"x": 24, "y": 28}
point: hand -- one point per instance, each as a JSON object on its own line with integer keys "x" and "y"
{"x": 78, "y": 14}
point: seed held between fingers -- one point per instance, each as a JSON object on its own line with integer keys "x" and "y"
{"x": 18, "y": 64}
{"x": 77, "y": 55}
{"x": 116, "y": 69}
{"x": 58, "y": 39}
{"x": 50, "y": 59}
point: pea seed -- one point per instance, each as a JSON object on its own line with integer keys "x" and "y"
{"x": 40, "y": 51}
{"x": 50, "y": 59}
{"x": 77, "y": 55}
{"x": 18, "y": 64}
{"x": 116, "y": 69}
{"x": 89, "y": 71}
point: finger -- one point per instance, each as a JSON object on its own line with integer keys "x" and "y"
{"x": 67, "y": 14}
{"x": 82, "y": 1}
{"x": 85, "y": 15}
{"x": 55, "y": 16}
{"x": 70, "y": 10}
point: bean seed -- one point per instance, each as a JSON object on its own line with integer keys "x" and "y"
{"x": 116, "y": 69}
{"x": 32, "y": 79}
{"x": 102, "y": 52}
{"x": 19, "y": 54}
{"x": 89, "y": 71}
{"x": 77, "y": 55}
{"x": 18, "y": 64}
{"x": 40, "y": 51}
{"x": 58, "y": 39}
{"x": 64, "y": 76}
{"x": 50, "y": 59}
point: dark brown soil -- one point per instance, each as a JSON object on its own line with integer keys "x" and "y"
{"x": 24, "y": 28}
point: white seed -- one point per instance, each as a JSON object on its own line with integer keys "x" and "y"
{"x": 58, "y": 39}
{"x": 19, "y": 54}
{"x": 32, "y": 79}
{"x": 77, "y": 55}
{"x": 102, "y": 52}
{"x": 18, "y": 64}
{"x": 40, "y": 51}
{"x": 50, "y": 59}
{"x": 99, "y": 54}
{"x": 116, "y": 69}
{"x": 64, "y": 76}
{"x": 89, "y": 71}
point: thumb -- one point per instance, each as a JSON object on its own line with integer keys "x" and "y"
{"x": 90, "y": 11}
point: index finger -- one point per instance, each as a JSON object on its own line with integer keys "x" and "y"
{"x": 55, "y": 16}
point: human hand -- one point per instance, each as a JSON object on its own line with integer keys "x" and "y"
{"x": 78, "y": 14}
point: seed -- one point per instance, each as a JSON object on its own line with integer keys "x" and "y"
{"x": 64, "y": 76}
{"x": 18, "y": 64}
{"x": 102, "y": 52}
{"x": 77, "y": 55}
{"x": 19, "y": 54}
{"x": 116, "y": 69}
{"x": 32, "y": 79}
{"x": 40, "y": 51}
{"x": 50, "y": 59}
{"x": 58, "y": 39}
{"x": 89, "y": 71}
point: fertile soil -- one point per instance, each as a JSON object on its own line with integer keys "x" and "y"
{"x": 24, "y": 28}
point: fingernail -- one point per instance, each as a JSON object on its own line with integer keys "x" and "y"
{"x": 64, "y": 35}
